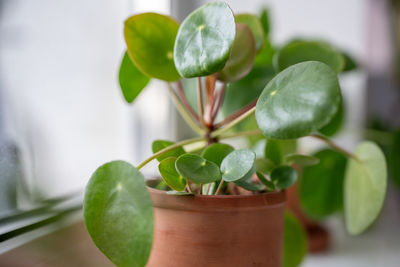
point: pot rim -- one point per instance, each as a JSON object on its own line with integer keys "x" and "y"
{"x": 216, "y": 202}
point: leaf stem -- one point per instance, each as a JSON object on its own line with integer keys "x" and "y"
{"x": 200, "y": 100}
{"x": 234, "y": 122}
{"x": 236, "y": 114}
{"x": 219, "y": 187}
{"x": 167, "y": 149}
{"x": 219, "y": 101}
{"x": 185, "y": 115}
{"x": 185, "y": 102}
{"x": 335, "y": 146}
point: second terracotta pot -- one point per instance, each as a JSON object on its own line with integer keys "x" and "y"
{"x": 217, "y": 230}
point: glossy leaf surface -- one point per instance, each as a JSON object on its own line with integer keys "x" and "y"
{"x": 300, "y": 50}
{"x": 321, "y": 186}
{"x": 204, "y": 40}
{"x": 298, "y": 101}
{"x": 242, "y": 55}
{"x": 364, "y": 187}
{"x": 170, "y": 175}
{"x": 255, "y": 26}
{"x": 334, "y": 126}
{"x": 131, "y": 79}
{"x": 150, "y": 40}
{"x": 197, "y": 169}
{"x": 159, "y": 145}
{"x": 118, "y": 214}
{"x": 217, "y": 152}
{"x": 239, "y": 164}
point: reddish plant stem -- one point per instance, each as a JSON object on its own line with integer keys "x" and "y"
{"x": 210, "y": 99}
{"x": 219, "y": 101}
{"x": 182, "y": 96}
{"x": 236, "y": 114}
{"x": 200, "y": 100}
{"x": 335, "y": 146}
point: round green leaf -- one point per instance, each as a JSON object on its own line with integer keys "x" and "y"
{"x": 204, "y": 40}
{"x": 170, "y": 175}
{"x": 248, "y": 185}
{"x": 217, "y": 152}
{"x": 336, "y": 123}
{"x": 159, "y": 145}
{"x": 197, "y": 169}
{"x": 301, "y": 160}
{"x": 364, "y": 187}
{"x": 321, "y": 186}
{"x": 294, "y": 242}
{"x": 300, "y": 50}
{"x": 270, "y": 185}
{"x": 284, "y": 176}
{"x": 118, "y": 214}
{"x": 239, "y": 164}
{"x": 255, "y": 26}
{"x": 131, "y": 80}
{"x": 242, "y": 55}
{"x": 150, "y": 39}
{"x": 298, "y": 101}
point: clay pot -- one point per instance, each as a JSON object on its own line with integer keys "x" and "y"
{"x": 218, "y": 231}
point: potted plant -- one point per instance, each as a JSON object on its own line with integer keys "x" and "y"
{"x": 220, "y": 206}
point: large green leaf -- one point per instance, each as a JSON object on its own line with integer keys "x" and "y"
{"x": 298, "y": 101}
{"x": 118, "y": 214}
{"x": 217, "y": 152}
{"x": 239, "y": 164}
{"x": 334, "y": 126}
{"x": 159, "y": 145}
{"x": 197, "y": 169}
{"x": 301, "y": 50}
{"x": 204, "y": 40}
{"x": 364, "y": 187}
{"x": 150, "y": 39}
{"x": 255, "y": 26}
{"x": 294, "y": 242}
{"x": 169, "y": 174}
{"x": 131, "y": 80}
{"x": 321, "y": 186}
{"x": 242, "y": 55}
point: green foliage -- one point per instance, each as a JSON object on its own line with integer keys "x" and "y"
{"x": 264, "y": 165}
{"x": 284, "y": 176}
{"x": 239, "y": 164}
{"x": 301, "y": 50}
{"x": 197, "y": 169}
{"x": 150, "y": 39}
{"x": 131, "y": 80}
{"x": 242, "y": 55}
{"x": 159, "y": 145}
{"x": 265, "y": 21}
{"x": 294, "y": 242}
{"x": 118, "y": 214}
{"x": 273, "y": 151}
{"x": 349, "y": 63}
{"x": 204, "y": 40}
{"x": 298, "y": 101}
{"x": 301, "y": 160}
{"x": 170, "y": 175}
{"x": 334, "y": 126}
{"x": 255, "y": 26}
{"x": 321, "y": 186}
{"x": 270, "y": 185}
{"x": 364, "y": 187}
{"x": 217, "y": 152}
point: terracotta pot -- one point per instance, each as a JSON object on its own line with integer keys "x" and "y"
{"x": 217, "y": 230}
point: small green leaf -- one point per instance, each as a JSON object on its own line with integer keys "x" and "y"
{"x": 170, "y": 175}
{"x": 118, "y": 214}
{"x": 336, "y": 123}
{"x": 300, "y": 50}
{"x": 217, "y": 152}
{"x": 284, "y": 176}
{"x": 301, "y": 160}
{"x": 131, "y": 80}
{"x": 242, "y": 55}
{"x": 204, "y": 40}
{"x": 197, "y": 169}
{"x": 364, "y": 187}
{"x": 321, "y": 186}
{"x": 248, "y": 185}
{"x": 255, "y": 26}
{"x": 270, "y": 185}
{"x": 264, "y": 165}
{"x": 239, "y": 164}
{"x": 150, "y": 39}
{"x": 349, "y": 62}
{"x": 298, "y": 101}
{"x": 159, "y": 145}
{"x": 264, "y": 19}
{"x": 179, "y": 193}
{"x": 294, "y": 242}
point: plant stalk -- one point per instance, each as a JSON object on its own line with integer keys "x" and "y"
{"x": 236, "y": 115}
{"x": 335, "y": 146}
{"x": 200, "y": 100}
{"x": 185, "y": 102}
{"x": 234, "y": 122}
{"x": 218, "y": 104}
